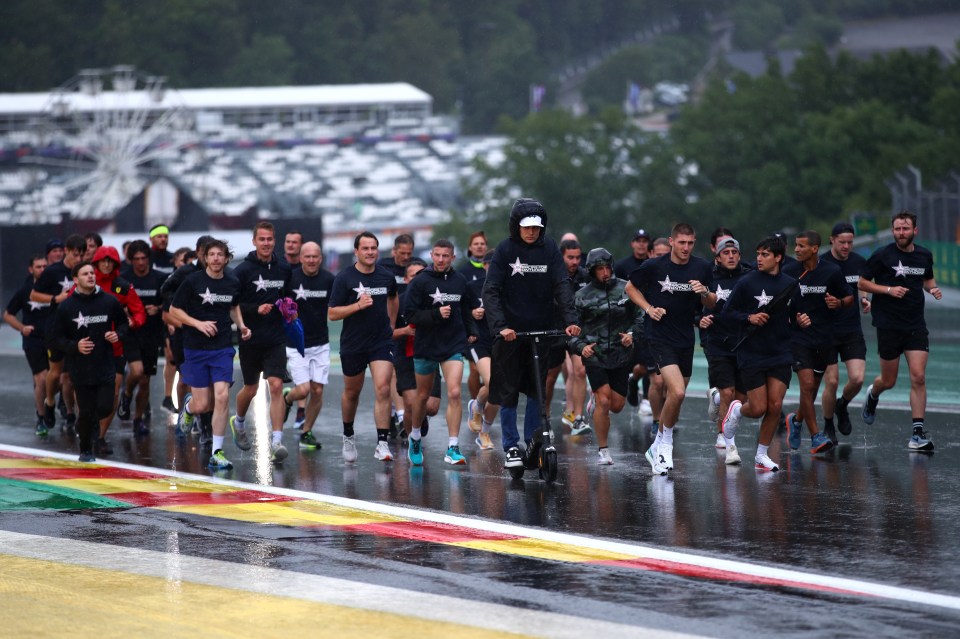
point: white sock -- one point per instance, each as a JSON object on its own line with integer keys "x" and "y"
{"x": 761, "y": 449}
{"x": 668, "y": 435}
{"x": 716, "y": 399}
{"x": 453, "y": 441}
{"x": 415, "y": 433}
{"x": 239, "y": 422}
{"x": 218, "y": 442}
{"x": 277, "y": 437}
{"x": 656, "y": 442}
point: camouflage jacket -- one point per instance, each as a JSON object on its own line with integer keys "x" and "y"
{"x": 604, "y": 312}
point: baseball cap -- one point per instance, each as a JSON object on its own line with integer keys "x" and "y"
{"x": 531, "y": 220}
{"x": 641, "y": 233}
{"x": 726, "y": 242}
{"x": 842, "y": 227}
{"x": 53, "y": 244}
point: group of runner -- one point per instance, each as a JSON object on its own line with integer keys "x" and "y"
{"x": 94, "y": 327}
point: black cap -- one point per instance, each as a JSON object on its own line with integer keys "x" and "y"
{"x": 641, "y": 233}
{"x": 54, "y": 243}
{"x": 842, "y": 227}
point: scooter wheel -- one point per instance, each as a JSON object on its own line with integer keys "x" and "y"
{"x": 548, "y": 465}
{"x": 517, "y": 472}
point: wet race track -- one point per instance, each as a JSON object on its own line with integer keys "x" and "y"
{"x": 861, "y": 541}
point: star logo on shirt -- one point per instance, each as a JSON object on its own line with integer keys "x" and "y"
{"x": 261, "y": 285}
{"x": 723, "y": 293}
{"x": 81, "y": 320}
{"x": 207, "y": 297}
{"x": 361, "y": 290}
{"x": 437, "y": 296}
{"x": 301, "y": 293}
{"x": 34, "y": 306}
{"x": 65, "y": 284}
{"x": 517, "y": 267}
{"x": 763, "y": 299}
{"x": 900, "y": 270}
{"x": 666, "y": 286}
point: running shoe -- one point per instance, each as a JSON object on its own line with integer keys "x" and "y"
{"x": 286, "y": 405}
{"x": 185, "y": 419}
{"x": 483, "y": 441}
{"x": 580, "y": 427}
{"x": 424, "y": 426}
{"x": 87, "y": 457}
{"x": 793, "y": 431}
{"x": 383, "y": 452}
{"x": 195, "y": 429}
{"x": 713, "y": 404}
{"x": 239, "y": 434}
{"x": 49, "y": 416}
{"x": 415, "y": 452}
{"x": 646, "y": 410}
{"x": 349, "y": 449}
{"x": 763, "y": 462}
{"x": 731, "y": 421}
{"x": 168, "y": 404}
{"x": 514, "y": 458}
{"x": 568, "y": 418}
{"x": 920, "y": 441}
{"x": 71, "y": 422}
{"x": 300, "y": 418}
{"x": 123, "y": 410}
{"x": 604, "y": 458}
{"x": 140, "y": 427}
{"x": 475, "y": 421}
{"x": 309, "y": 441}
{"x": 102, "y": 447}
{"x": 842, "y": 413}
{"x": 820, "y": 443}
{"x": 665, "y": 455}
{"x": 830, "y": 432}
{"x": 721, "y": 443}
{"x": 733, "y": 455}
{"x": 654, "y": 461}
{"x": 869, "y": 411}
{"x": 278, "y": 452}
{"x": 591, "y": 406}
{"x": 42, "y": 430}
{"x": 633, "y": 390}
{"x": 454, "y": 457}
{"x": 219, "y": 461}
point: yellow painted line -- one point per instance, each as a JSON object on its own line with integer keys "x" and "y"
{"x": 107, "y": 485}
{"x": 286, "y": 513}
{"x": 49, "y": 599}
{"x": 6, "y": 462}
{"x": 529, "y": 547}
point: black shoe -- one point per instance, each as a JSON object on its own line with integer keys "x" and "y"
{"x": 123, "y": 410}
{"x": 830, "y": 432}
{"x": 87, "y": 456}
{"x": 102, "y": 447}
{"x": 168, "y": 404}
{"x": 49, "y": 416}
{"x": 843, "y": 418}
{"x": 425, "y": 426}
{"x": 633, "y": 390}
{"x": 514, "y": 458}
{"x": 140, "y": 427}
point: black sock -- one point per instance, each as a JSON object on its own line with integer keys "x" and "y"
{"x": 918, "y": 425}
{"x": 645, "y": 382}
{"x": 382, "y": 434}
{"x": 828, "y": 423}
{"x": 841, "y": 402}
{"x": 348, "y": 429}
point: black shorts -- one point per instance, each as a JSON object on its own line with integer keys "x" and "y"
{"x": 817, "y": 359}
{"x": 142, "y": 348}
{"x": 642, "y": 355}
{"x": 477, "y": 351}
{"x": 119, "y": 364}
{"x": 354, "y": 364}
{"x": 849, "y": 346}
{"x": 511, "y": 371}
{"x": 722, "y": 371}
{"x": 616, "y": 378}
{"x": 750, "y": 378}
{"x": 666, "y": 355}
{"x": 176, "y": 347}
{"x": 891, "y": 343}
{"x": 271, "y": 360}
{"x": 36, "y": 359}
{"x": 557, "y": 353}
{"x": 55, "y": 356}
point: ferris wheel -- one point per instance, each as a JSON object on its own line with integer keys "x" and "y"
{"x": 112, "y": 126}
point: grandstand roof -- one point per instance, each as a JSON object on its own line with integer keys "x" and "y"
{"x": 232, "y": 98}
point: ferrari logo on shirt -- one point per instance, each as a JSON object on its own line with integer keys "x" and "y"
{"x": 763, "y": 299}
{"x": 440, "y": 298}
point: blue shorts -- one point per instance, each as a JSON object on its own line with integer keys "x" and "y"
{"x": 202, "y": 368}
{"x": 423, "y": 366}
{"x": 353, "y": 364}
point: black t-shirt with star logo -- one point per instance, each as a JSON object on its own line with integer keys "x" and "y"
{"x": 263, "y": 283}
{"x": 810, "y": 298}
{"x": 312, "y": 295}
{"x": 206, "y": 299}
{"x": 55, "y": 279}
{"x": 719, "y": 338}
{"x": 666, "y": 285}
{"x": 768, "y": 345}
{"x": 889, "y": 266}
{"x": 847, "y": 320}
{"x": 364, "y": 330}
{"x": 35, "y": 314}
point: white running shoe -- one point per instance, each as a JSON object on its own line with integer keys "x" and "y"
{"x": 349, "y": 449}
{"x": 475, "y": 421}
{"x": 383, "y": 452}
{"x": 604, "y": 458}
{"x": 665, "y": 455}
{"x": 278, "y": 452}
{"x": 721, "y": 443}
{"x": 713, "y": 408}
{"x": 654, "y": 461}
{"x": 645, "y": 409}
{"x": 733, "y": 457}
{"x": 731, "y": 420}
{"x": 763, "y": 462}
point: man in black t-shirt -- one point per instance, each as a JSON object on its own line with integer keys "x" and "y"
{"x": 160, "y": 257}
{"x": 32, "y": 325}
{"x": 364, "y": 296}
{"x": 897, "y": 276}
{"x": 670, "y": 290}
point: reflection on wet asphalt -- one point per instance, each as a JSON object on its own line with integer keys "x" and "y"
{"x": 869, "y": 510}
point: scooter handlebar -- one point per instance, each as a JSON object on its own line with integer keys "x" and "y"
{"x": 553, "y": 332}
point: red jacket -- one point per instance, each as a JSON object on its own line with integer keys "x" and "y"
{"x": 121, "y": 289}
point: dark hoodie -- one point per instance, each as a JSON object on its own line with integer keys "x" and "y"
{"x": 263, "y": 283}
{"x": 527, "y": 284}
{"x": 90, "y": 316}
{"x": 437, "y": 339}
{"x": 719, "y": 339}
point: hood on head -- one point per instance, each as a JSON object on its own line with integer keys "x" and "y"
{"x": 109, "y": 253}
{"x": 526, "y": 207}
